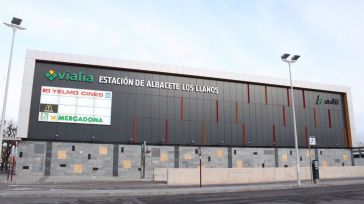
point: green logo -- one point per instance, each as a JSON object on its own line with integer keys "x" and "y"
{"x": 321, "y": 100}
{"x": 44, "y": 116}
{"x": 51, "y": 75}
{"x": 74, "y": 118}
{"x": 68, "y": 76}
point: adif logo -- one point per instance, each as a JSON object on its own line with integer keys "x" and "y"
{"x": 320, "y": 100}
{"x": 68, "y": 76}
{"x": 51, "y": 75}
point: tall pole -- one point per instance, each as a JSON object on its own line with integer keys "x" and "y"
{"x": 295, "y": 128}
{"x": 309, "y": 165}
{"x": 200, "y": 153}
{"x": 15, "y": 25}
{"x": 6, "y": 95}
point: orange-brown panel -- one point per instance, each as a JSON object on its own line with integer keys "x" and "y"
{"x": 347, "y": 122}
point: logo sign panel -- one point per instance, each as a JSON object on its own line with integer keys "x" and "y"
{"x": 312, "y": 140}
{"x": 322, "y": 100}
{"x": 69, "y": 76}
{"x": 68, "y": 105}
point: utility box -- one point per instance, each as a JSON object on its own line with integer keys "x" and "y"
{"x": 315, "y": 170}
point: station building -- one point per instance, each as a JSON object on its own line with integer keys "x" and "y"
{"x": 90, "y": 116}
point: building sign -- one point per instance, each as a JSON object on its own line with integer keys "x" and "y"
{"x": 68, "y": 105}
{"x": 312, "y": 140}
{"x": 69, "y": 76}
{"x": 321, "y": 100}
{"x": 158, "y": 84}
{"x": 125, "y": 81}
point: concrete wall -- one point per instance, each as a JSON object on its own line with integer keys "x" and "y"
{"x": 254, "y": 175}
{"x": 212, "y": 157}
{"x": 253, "y": 157}
{"x": 359, "y": 161}
{"x": 129, "y": 161}
{"x": 160, "y": 157}
{"x": 70, "y": 159}
{"x": 125, "y": 160}
{"x": 334, "y": 157}
{"x": 32, "y": 161}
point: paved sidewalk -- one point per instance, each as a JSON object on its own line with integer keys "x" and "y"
{"x": 139, "y": 188}
{"x": 57, "y": 179}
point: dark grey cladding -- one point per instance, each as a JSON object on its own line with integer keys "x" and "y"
{"x": 218, "y": 116}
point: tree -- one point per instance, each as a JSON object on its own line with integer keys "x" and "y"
{"x": 9, "y": 131}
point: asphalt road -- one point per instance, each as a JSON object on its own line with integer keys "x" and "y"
{"x": 329, "y": 194}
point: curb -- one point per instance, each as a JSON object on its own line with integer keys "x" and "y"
{"x": 166, "y": 191}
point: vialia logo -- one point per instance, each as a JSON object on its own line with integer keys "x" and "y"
{"x": 80, "y": 76}
{"x": 321, "y": 100}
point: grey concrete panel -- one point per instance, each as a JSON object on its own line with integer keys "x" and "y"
{"x": 48, "y": 159}
{"x": 276, "y": 157}
{"x": 115, "y": 160}
{"x": 252, "y": 158}
{"x": 91, "y": 159}
{"x": 287, "y": 157}
{"x": 230, "y": 162}
{"x": 132, "y": 154}
{"x": 176, "y": 157}
{"x": 85, "y": 160}
{"x": 335, "y": 157}
{"x": 31, "y": 163}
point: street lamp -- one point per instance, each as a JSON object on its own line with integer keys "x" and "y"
{"x": 293, "y": 59}
{"x": 15, "y": 25}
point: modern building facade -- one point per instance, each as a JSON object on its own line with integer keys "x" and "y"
{"x": 88, "y": 115}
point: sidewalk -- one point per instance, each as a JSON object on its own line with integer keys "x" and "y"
{"x": 105, "y": 187}
{"x": 57, "y": 179}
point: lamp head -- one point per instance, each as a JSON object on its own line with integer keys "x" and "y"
{"x": 16, "y": 21}
{"x": 285, "y": 56}
{"x": 295, "y": 57}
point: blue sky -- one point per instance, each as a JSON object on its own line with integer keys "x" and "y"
{"x": 238, "y": 36}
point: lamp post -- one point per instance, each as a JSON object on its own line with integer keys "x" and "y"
{"x": 15, "y": 25}
{"x": 293, "y": 59}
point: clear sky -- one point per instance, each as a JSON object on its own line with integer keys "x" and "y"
{"x": 239, "y": 36}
